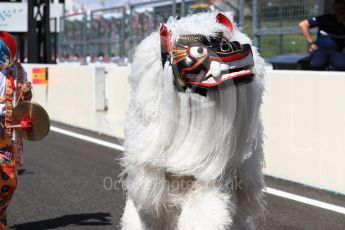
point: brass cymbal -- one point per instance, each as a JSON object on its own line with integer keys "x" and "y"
{"x": 38, "y": 118}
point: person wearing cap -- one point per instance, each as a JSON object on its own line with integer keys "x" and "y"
{"x": 13, "y": 89}
{"x": 328, "y": 48}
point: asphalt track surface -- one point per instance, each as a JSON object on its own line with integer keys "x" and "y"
{"x": 69, "y": 184}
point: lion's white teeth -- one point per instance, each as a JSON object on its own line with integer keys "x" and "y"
{"x": 224, "y": 67}
{"x": 209, "y": 80}
{"x": 215, "y": 68}
{"x": 212, "y": 80}
{"x": 208, "y": 74}
{"x": 224, "y": 76}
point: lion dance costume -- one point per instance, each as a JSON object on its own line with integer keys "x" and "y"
{"x": 13, "y": 88}
{"x": 193, "y": 135}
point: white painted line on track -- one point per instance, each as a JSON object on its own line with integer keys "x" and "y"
{"x": 305, "y": 200}
{"x": 268, "y": 190}
{"x": 87, "y": 138}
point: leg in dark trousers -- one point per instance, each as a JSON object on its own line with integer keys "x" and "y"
{"x": 319, "y": 59}
{"x": 337, "y": 60}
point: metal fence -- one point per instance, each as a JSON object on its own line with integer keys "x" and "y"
{"x": 109, "y": 35}
{"x": 275, "y": 25}
{"x": 72, "y": 37}
{"x": 145, "y": 18}
{"x": 106, "y": 34}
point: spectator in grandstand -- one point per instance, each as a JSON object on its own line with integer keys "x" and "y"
{"x": 328, "y": 48}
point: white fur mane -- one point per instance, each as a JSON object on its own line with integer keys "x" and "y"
{"x": 183, "y": 132}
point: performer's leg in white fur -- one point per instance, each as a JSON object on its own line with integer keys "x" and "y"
{"x": 130, "y": 219}
{"x": 205, "y": 208}
{"x": 249, "y": 196}
{"x": 146, "y": 189}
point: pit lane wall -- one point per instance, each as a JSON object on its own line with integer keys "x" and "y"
{"x": 303, "y": 115}
{"x": 304, "y": 121}
{"x": 92, "y": 97}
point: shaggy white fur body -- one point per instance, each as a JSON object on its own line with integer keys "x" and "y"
{"x": 191, "y": 162}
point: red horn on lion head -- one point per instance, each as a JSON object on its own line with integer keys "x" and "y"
{"x": 224, "y": 20}
{"x": 166, "y": 44}
{"x": 165, "y": 38}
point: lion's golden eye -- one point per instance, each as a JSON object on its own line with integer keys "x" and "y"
{"x": 197, "y": 51}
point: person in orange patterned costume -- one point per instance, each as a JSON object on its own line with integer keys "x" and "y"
{"x": 13, "y": 89}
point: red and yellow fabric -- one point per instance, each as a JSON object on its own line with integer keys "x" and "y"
{"x": 8, "y": 177}
{"x": 15, "y": 90}
{"x": 11, "y": 148}
{"x": 11, "y": 88}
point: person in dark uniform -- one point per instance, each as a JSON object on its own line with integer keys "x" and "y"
{"x": 328, "y": 48}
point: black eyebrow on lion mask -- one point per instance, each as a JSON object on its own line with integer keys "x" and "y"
{"x": 190, "y": 39}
